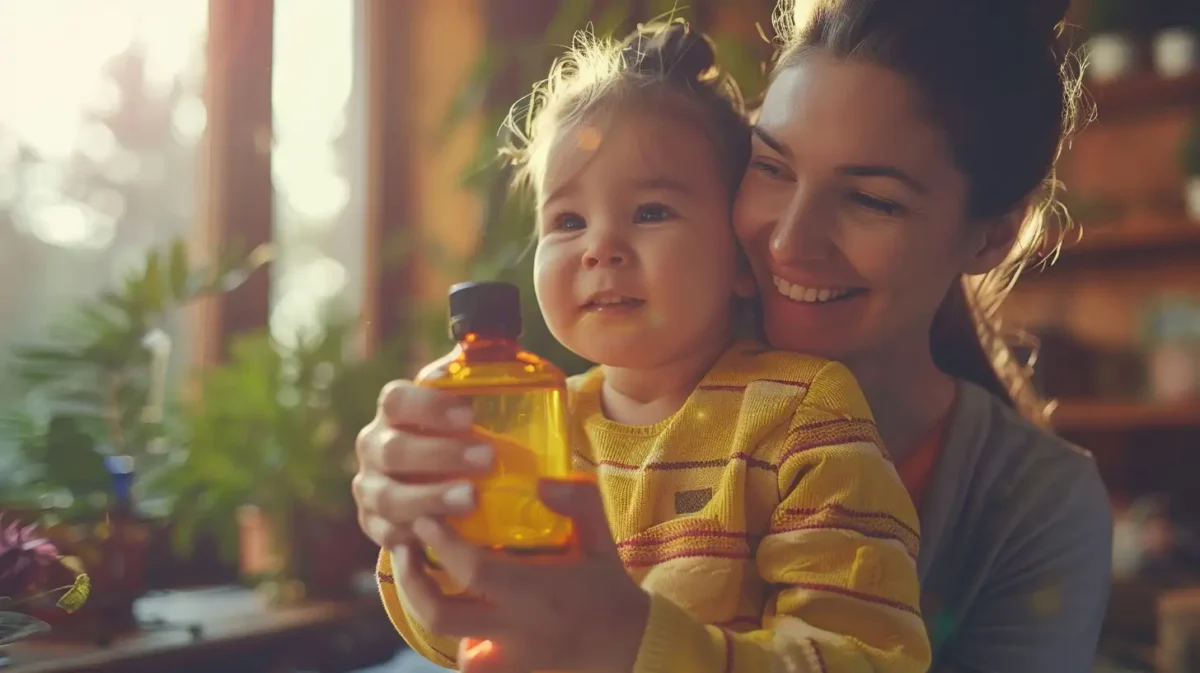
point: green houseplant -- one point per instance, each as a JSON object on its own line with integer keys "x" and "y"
{"x": 96, "y": 386}
{"x": 273, "y": 429}
{"x": 94, "y": 392}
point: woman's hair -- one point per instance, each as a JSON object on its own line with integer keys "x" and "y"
{"x": 996, "y": 76}
{"x": 665, "y": 65}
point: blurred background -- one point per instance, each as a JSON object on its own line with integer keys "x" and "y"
{"x": 225, "y": 223}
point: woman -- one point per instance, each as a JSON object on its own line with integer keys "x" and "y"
{"x": 901, "y": 148}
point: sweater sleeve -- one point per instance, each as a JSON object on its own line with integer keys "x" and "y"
{"x": 441, "y": 650}
{"x": 840, "y": 553}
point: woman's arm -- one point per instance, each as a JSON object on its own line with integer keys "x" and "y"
{"x": 1043, "y": 606}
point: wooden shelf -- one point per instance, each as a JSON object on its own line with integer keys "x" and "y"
{"x": 1125, "y": 243}
{"x": 1143, "y": 93}
{"x": 1165, "y": 236}
{"x": 1117, "y": 415}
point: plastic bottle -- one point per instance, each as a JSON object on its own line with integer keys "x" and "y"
{"x": 519, "y": 400}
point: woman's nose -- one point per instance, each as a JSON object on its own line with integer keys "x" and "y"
{"x": 803, "y": 233}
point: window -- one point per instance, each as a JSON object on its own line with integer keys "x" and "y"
{"x": 101, "y": 120}
{"x": 318, "y": 162}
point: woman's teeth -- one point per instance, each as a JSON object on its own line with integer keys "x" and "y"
{"x": 809, "y": 295}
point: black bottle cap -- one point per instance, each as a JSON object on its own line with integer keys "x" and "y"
{"x": 488, "y": 309}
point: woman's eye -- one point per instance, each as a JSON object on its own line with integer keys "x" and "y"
{"x": 767, "y": 168}
{"x": 653, "y": 212}
{"x": 569, "y": 222}
{"x": 876, "y": 204}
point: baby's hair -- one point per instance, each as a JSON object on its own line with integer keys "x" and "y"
{"x": 665, "y": 64}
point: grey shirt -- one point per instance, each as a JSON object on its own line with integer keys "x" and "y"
{"x": 1016, "y": 546}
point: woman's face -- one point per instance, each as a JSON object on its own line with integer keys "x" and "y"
{"x": 852, "y": 213}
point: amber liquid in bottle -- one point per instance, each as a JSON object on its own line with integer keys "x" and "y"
{"x": 519, "y": 401}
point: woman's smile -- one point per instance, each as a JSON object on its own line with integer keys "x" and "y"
{"x": 814, "y": 294}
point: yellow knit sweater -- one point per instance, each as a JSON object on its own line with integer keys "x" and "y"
{"x": 763, "y": 518}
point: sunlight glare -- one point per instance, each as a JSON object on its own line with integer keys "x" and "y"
{"x": 96, "y": 142}
{"x": 312, "y": 80}
{"x": 53, "y": 55}
{"x": 72, "y": 225}
{"x": 311, "y": 83}
{"x": 67, "y": 42}
{"x": 189, "y": 119}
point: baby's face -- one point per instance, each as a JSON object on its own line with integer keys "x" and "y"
{"x": 636, "y": 261}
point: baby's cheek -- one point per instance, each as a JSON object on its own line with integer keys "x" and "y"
{"x": 554, "y": 284}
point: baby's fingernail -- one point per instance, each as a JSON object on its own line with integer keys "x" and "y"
{"x": 460, "y": 417}
{"x": 459, "y": 496}
{"x": 479, "y": 455}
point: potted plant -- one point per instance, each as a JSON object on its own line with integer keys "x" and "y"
{"x": 1176, "y": 46}
{"x": 94, "y": 414}
{"x": 266, "y": 446}
{"x": 1189, "y": 162}
{"x": 1171, "y": 342}
{"x": 1111, "y": 49}
{"x": 28, "y": 560}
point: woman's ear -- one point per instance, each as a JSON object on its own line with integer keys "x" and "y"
{"x": 993, "y": 239}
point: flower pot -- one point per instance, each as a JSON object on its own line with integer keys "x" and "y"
{"x": 116, "y": 565}
{"x": 1176, "y": 52}
{"x": 1110, "y": 56}
{"x": 334, "y": 552}
{"x": 1191, "y": 197}
{"x": 1174, "y": 373}
{"x": 258, "y": 555}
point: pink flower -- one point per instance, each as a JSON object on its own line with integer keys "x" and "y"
{"x": 23, "y": 551}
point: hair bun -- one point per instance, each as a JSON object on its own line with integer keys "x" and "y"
{"x": 672, "y": 50}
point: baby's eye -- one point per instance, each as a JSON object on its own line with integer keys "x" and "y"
{"x": 653, "y": 212}
{"x": 569, "y": 222}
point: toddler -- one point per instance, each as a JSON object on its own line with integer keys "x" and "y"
{"x": 747, "y": 489}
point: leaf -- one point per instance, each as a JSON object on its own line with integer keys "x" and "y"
{"x": 260, "y": 256}
{"x": 73, "y": 564}
{"x": 178, "y": 270}
{"x": 151, "y": 291}
{"x": 233, "y": 272}
{"x": 16, "y": 626}
{"x": 471, "y": 94}
{"x": 77, "y": 595}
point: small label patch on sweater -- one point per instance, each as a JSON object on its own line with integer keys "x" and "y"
{"x": 690, "y": 502}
